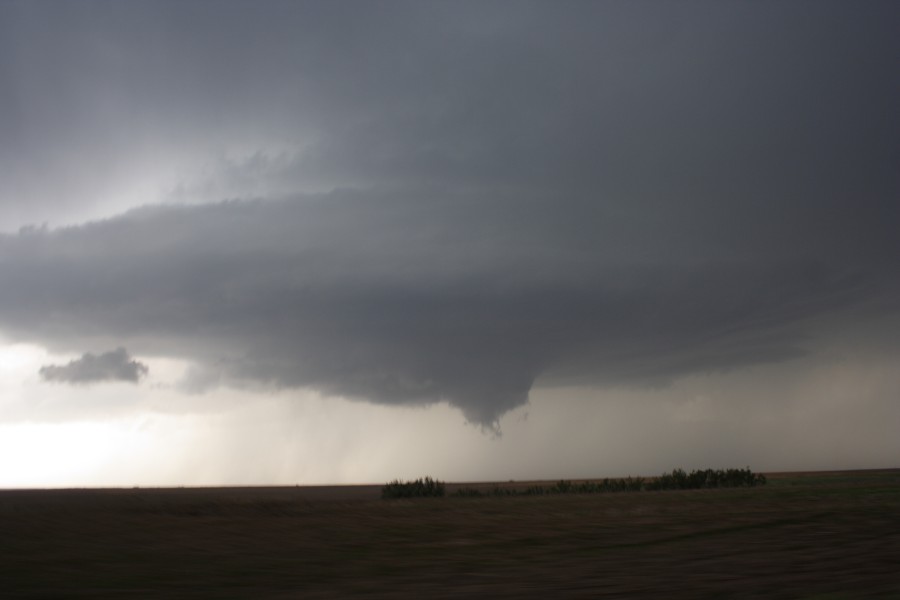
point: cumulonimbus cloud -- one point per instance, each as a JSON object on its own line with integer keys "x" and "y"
{"x": 597, "y": 195}
{"x": 115, "y": 365}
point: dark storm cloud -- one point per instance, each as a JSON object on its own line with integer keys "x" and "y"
{"x": 627, "y": 101}
{"x": 581, "y": 192}
{"x": 402, "y": 298}
{"x": 115, "y": 365}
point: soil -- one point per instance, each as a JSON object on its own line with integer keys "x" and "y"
{"x": 804, "y": 535}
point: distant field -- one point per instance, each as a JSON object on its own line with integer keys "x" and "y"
{"x": 804, "y": 535}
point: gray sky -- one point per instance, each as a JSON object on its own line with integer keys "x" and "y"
{"x": 658, "y": 220}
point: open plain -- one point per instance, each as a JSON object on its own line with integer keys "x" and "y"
{"x": 804, "y": 535}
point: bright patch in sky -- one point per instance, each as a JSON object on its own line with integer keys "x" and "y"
{"x": 19, "y": 360}
{"x": 70, "y": 454}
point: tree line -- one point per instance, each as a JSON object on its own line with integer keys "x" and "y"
{"x": 677, "y": 479}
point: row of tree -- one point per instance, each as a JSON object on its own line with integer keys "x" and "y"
{"x": 420, "y": 488}
{"x": 678, "y": 479}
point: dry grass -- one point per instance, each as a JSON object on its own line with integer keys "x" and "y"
{"x": 820, "y": 535}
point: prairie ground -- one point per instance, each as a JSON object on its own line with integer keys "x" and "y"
{"x": 804, "y": 535}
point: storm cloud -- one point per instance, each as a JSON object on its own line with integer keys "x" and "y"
{"x": 712, "y": 104}
{"x": 436, "y": 202}
{"x": 115, "y": 365}
{"x": 400, "y": 299}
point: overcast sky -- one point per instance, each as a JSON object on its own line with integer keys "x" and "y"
{"x": 310, "y": 242}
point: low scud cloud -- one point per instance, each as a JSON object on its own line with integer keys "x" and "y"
{"x": 115, "y": 365}
{"x": 403, "y": 297}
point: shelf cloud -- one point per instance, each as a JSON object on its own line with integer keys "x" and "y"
{"x": 343, "y": 293}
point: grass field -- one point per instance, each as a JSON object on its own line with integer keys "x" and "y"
{"x": 804, "y": 535}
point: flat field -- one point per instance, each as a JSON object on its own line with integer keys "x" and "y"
{"x": 804, "y": 535}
